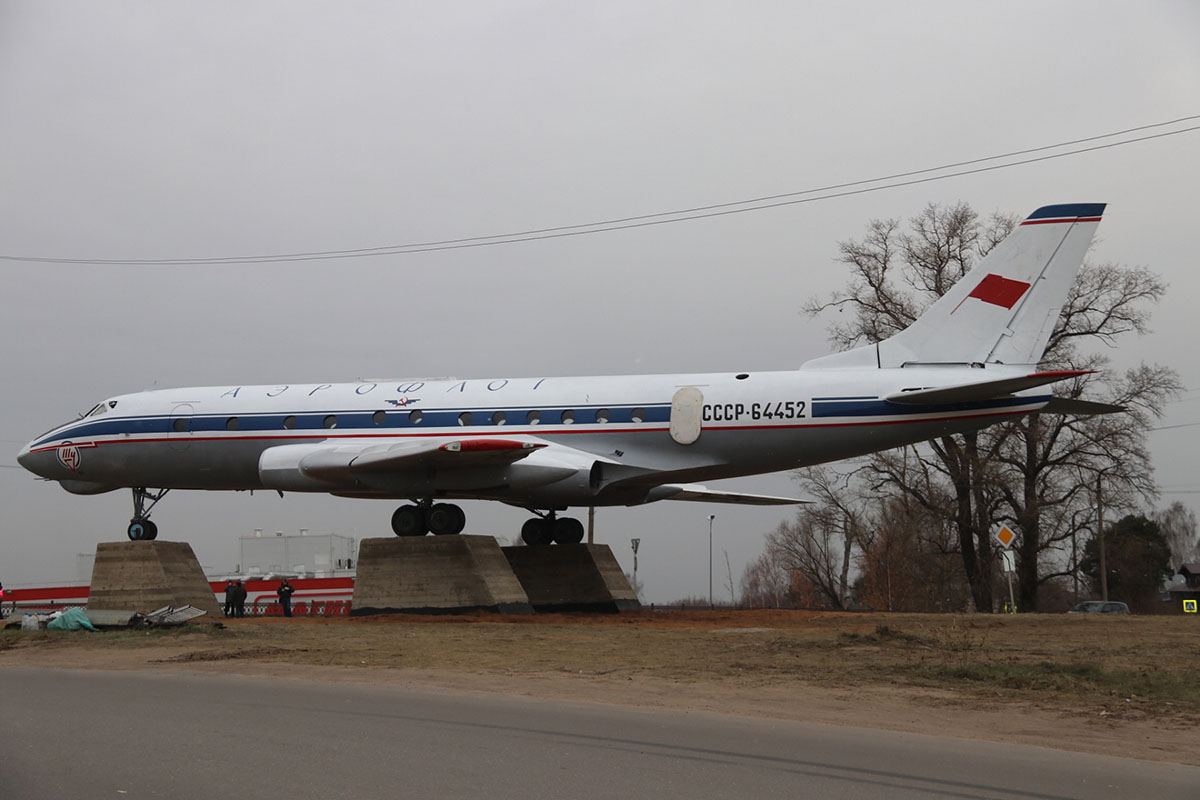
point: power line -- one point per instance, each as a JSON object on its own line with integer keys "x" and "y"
{"x": 1172, "y": 427}
{"x": 660, "y": 218}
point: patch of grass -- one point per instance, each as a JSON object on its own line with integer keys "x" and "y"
{"x": 883, "y": 634}
{"x": 1058, "y": 661}
{"x": 1073, "y": 679}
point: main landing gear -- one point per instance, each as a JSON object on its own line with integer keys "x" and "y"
{"x": 547, "y": 529}
{"x": 445, "y": 519}
{"x": 440, "y": 519}
{"x": 141, "y": 529}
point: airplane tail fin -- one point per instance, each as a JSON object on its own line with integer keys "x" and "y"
{"x": 1002, "y": 311}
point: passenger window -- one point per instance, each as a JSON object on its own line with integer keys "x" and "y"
{"x": 415, "y": 417}
{"x": 638, "y": 415}
{"x": 464, "y": 418}
{"x": 180, "y": 424}
{"x": 330, "y": 421}
{"x": 289, "y": 422}
{"x": 232, "y": 424}
{"x": 568, "y": 417}
{"x": 602, "y": 416}
{"x": 499, "y": 418}
{"x": 379, "y": 417}
{"x": 533, "y": 417}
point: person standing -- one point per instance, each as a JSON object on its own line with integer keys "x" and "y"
{"x": 229, "y": 592}
{"x": 239, "y": 600}
{"x": 3, "y": 597}
{"x": 285, "y": 596}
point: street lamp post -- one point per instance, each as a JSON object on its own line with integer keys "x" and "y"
{"x": 1100, "y": 530}
{"x": 711, "y": 517}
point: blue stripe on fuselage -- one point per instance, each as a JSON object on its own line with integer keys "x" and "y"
{"x": 882, "y": 408}
{"x": 551, "y": 417}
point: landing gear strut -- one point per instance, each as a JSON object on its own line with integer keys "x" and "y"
{"x": 140, "y": 527}
{"x": 546, "y": 529}
{"x": 441, "y": 519}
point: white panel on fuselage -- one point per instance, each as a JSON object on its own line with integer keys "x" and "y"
{"x": 686, "y": 408}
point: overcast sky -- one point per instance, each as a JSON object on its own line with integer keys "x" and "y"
{"x": 160, "y": 130}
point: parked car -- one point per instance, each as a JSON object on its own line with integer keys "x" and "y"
{"x": 1100, "y": 607}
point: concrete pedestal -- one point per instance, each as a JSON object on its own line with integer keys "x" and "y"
{"x": 572, "y": 577}
{"x": 435, "y": 575}
{"x": 144, "y": 576}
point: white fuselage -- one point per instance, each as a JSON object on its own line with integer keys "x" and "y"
{"x": 602, "y": 440}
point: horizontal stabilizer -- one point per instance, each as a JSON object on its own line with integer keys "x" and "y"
{"x": 983, "y": 390}
{"x": 1080, "y": 408}
{"x": 702, "y": 494}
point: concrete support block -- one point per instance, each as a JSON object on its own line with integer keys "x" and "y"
{"x": 435, "y": 575}
{"x": 572, "y": 577}
{"x": 144, "y": 576}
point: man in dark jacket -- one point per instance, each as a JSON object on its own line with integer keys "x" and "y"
{"x": 229, "y": 592}
{"x": 239, "y": 599}
{"x": 285, "y": 596}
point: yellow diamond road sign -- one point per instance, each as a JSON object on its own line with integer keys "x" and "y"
{"x": 1005, "y": 536}
{"x": 1189, "y": 606}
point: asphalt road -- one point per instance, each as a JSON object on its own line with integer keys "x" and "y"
{"x": 76, "y": 734}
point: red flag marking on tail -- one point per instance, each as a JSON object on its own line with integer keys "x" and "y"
{"x": 998, "y": 290}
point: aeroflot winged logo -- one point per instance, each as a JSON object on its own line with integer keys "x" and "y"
{"x": 404, "y": 401}
{"x": 997, "y": 290}
{"x": 68, "y": 456}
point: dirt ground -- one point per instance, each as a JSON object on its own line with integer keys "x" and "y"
{"x": 1128, "y": 687}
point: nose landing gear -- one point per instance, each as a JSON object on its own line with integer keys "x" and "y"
{"x": 140, "y": 528}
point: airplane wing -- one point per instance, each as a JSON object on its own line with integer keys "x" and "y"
{"x": 339, "y": 463}
{"x": 983, "y": 390}
{"x": 702, "y": 494}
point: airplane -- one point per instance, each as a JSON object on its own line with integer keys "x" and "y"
{"x": 548, "y": 444}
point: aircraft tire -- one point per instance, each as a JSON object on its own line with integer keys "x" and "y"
{"x": 409, "y": 521}
{"x": 568, "y": 531}
{"x": 445, "y": 519}
{"x": 142, "y": 530}
{"x": 536, "y": 532}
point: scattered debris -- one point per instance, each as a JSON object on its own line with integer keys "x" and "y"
{"x": 77, "y": 618}
{"x": 112, "y": 619}
{"x": 169, "y": 615}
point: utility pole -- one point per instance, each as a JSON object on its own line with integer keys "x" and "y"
{"x": 634, "y": 544}
{"x": 1100, "y": 526}
{"x": 711, "y": 517}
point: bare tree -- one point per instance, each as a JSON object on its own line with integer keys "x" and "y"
{"x": 765, "y": 582}
{"x": 820, "y": 543}
{"x": 1032, "y": 473}
{"x": 1178, "y": 525}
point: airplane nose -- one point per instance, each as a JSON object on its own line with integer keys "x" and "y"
{"x": 25, "y": 458}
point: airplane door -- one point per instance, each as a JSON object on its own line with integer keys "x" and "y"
{"x": 179, "y": 430}
{"x": 686, "y": 407}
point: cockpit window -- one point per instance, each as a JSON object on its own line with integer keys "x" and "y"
{"x": 97, "y": 411}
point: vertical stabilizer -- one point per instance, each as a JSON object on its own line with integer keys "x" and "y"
{"x": 1005, "y": 308}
